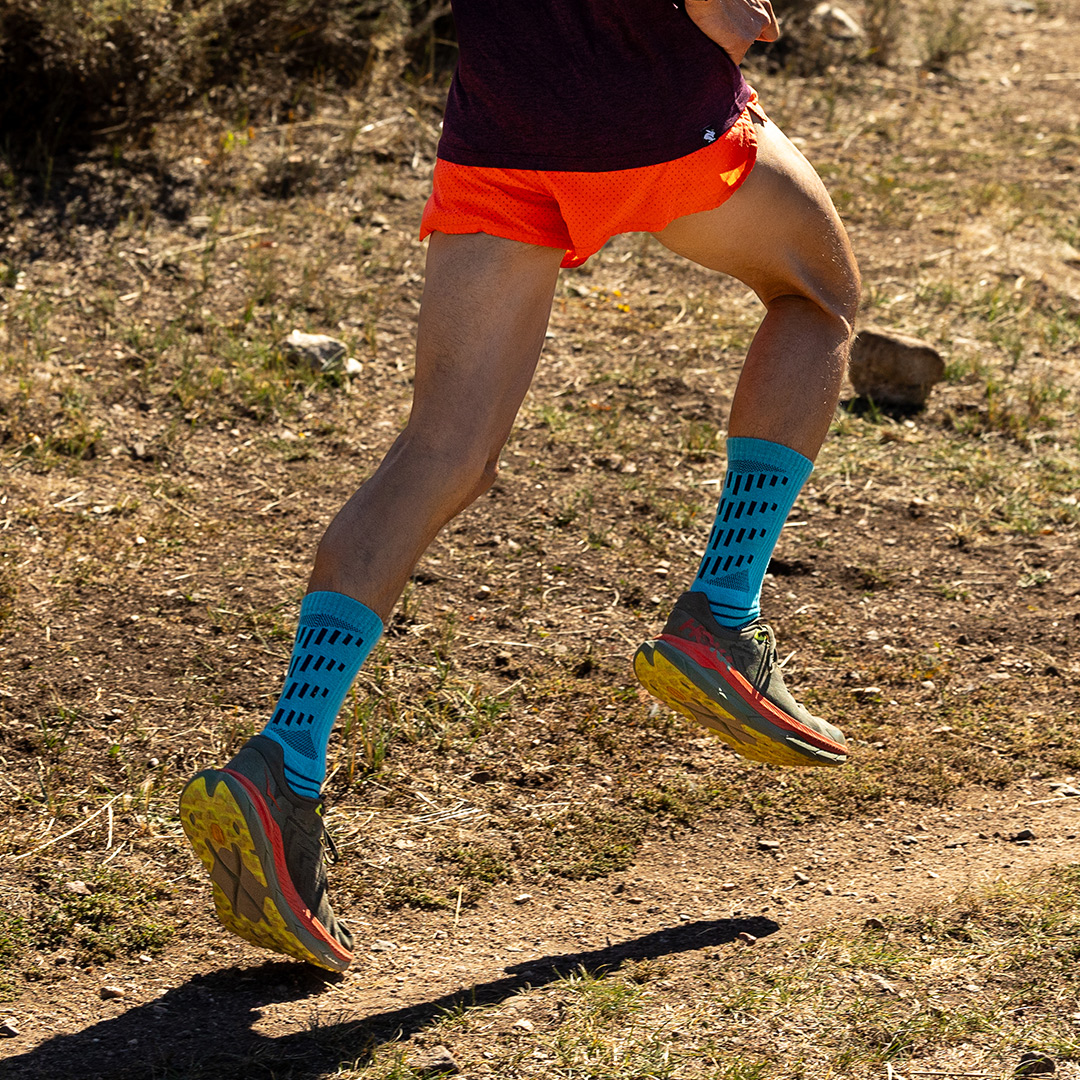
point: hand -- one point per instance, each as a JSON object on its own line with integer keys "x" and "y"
{"x": 734, "y": 24}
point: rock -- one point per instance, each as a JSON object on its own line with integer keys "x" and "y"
{"x": 524, "y": 1024}
{"x": 379, "y": 945}
{"x": 835, "y": 23}
{"x": 873, "y": 924}
{"x": 438, "y": 1062}
{"x": 768, "y": 845}
{"x": 317, "y": 351}
{"x": 1035, "y": 1064}
{"x": 894, "y": 369}
{"x": 728, "y": 886}
{"x": 801, "y": 878}
{"x": 1023, "y": 836}
{"x": 79, "y": 888}
{"x": 8, "y": 1030}
{"x": 524, "y": 898}
{"x": 748, "y": 938}
{"x": 110, "y": 993}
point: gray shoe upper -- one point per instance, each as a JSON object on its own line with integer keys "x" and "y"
{"x": 261, "y": 760}
{"x": 751, "y": 651}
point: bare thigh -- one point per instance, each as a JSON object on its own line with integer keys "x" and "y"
{"x": 779, "y": 233}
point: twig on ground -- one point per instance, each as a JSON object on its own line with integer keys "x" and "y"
{"x": 63, "y": 836}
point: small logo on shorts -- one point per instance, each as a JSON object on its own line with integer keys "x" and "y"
{"x": 709, "y": 134}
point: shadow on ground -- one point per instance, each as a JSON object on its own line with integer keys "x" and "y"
{"x": 203, "y": 1028}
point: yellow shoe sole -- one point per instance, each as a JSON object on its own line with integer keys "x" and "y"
{"x": 668, "y": 684}
{"x": 250, "y": 899}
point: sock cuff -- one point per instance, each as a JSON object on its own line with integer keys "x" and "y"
{"x": 334, "y": 609}
{"x": 760, "y": 455}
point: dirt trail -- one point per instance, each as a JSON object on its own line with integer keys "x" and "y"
{"x": 684, "y": 898}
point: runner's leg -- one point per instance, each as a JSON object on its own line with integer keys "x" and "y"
{"x": 716, "y": 662}
{"x": 780, "y": 235}
{"x": 482, "y": 322}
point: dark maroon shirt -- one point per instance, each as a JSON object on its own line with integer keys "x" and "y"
{"x": 584, "y": 85}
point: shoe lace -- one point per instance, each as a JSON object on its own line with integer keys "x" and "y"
{"x": 332, "y": 852}
{"x": 763, "y": 633}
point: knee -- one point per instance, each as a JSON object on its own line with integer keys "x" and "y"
{"x": 464, "y": 466}
{"x": 828, "y": 290}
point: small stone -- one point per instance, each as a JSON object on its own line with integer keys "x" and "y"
{"x": 634, "y": 900}
{"x": 8, "y": 1030}
{"x": 801, "y": 878}
{"x": 768, "y": 845}
{"x": 379, "y": 945}
{"x": 524, "y": 898}
{"x": 829, "y": 891}
{"x": 1023, "y": 836}
{"x": 79, "y": 888}
{"x": 873, "y": 924}
{"x": 525, "y": 1024}
{"x": 439, "y": 1061}
{"x": 110, "y": 993}
{"x": 316, "y": 351}
{"x": 728, "y": 886}
{"x": 894, "y": 369}
{"x": 1035, "y": 1064}
{"x": 748, "y": 938}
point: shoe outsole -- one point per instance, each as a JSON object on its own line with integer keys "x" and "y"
{"x": 253, "y": 895}
{"x": 675, "y": 679}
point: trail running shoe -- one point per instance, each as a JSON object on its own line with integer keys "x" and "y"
{"x": 730, "y": 681}
{"x": 263, "y": 847}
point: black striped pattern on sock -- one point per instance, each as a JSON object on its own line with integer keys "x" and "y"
{"x": 746, "y": 495}
{"x": 311, "y": 676}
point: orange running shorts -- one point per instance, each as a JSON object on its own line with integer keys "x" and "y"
{"x": 581, "y": 211}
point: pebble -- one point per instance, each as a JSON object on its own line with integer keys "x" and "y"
{"x": 79, "y": 888}
{"x": 440, "y": 1060}
{"x": 525, "y": 1024}
{"x": 108, "y": 993}
{"x": 768, "y": 845}
{"x": 873, "y": 924}
{"x": 1022, "y": 836}
{"x": 379, "y": 945}
{"x": 8, "y": 1030}
{"x": 1035, "y": 1064}
{"x": 801, "y": 878}
{"x": 524, "y": 898}
{"x": 728, "y": 886}
{"x": 748, "y": 938}
{"x": 829, "y": 891}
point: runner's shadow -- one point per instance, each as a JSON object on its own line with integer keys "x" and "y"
{"x": 203, "y": 1028}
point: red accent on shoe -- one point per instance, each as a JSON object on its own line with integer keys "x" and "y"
{"x": 706, "y": 656}
{"x": 288, "y": 890}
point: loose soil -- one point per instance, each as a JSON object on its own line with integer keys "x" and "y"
{"x": 509, "y": 807}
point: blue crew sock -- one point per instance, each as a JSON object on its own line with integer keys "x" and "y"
{"x": 762, "y": 483}
{"x": 334, "y": 638}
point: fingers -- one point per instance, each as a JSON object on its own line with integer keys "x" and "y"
{"x": 735, "y": 24}
{"x": 770, "y": 32}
